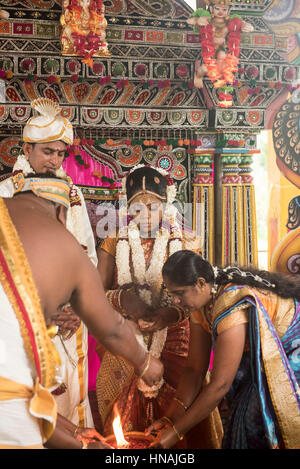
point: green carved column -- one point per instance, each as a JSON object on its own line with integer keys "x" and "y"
{"x": 203, "y": 201}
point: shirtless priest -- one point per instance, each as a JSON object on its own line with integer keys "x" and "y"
{"x": 42, "y": 266}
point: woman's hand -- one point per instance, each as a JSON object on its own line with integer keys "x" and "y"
{"x": 67, "y": 321}
{"x": 164, "y": 434}
{"x": 158, "y": 319}
{"x": 165, "y": 439}
{"x": 157, "y": 427}
{"x": 133, "y": 305}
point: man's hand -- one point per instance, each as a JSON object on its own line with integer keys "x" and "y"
{"x": 92, "y": 438}
{"x": 154, "y": 373}
{"x": 99, "y": 445}
{"x": 89, "y": 433}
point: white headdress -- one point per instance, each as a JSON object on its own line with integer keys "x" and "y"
{"x": 49, "y": 125}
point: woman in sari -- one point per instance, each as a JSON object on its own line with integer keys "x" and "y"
{"x": 130, "y": 266}
{"x": 252, "y": 319}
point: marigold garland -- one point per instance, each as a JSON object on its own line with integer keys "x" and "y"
{"x": 222, "y": 78}
{"x": 86, "y": 45}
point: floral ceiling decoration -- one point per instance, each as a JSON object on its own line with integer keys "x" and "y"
{"x": 84, "y": 26}
{"x": 220, "y": 37}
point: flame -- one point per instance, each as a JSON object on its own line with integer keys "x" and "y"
{"x": 119, "y": 435}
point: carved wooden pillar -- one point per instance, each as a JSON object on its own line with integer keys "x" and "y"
{"x": 239, "y": 230}
{"x": 203, "y": 201}
{"x": 249, "y": 207}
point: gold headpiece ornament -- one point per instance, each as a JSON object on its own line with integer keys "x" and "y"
{"x": 53, "y": 189}
{"x": 49, "y": 125}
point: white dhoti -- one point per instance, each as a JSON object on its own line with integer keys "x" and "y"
{"x": 18, "y": 428}
{"x": 73, "y": 403}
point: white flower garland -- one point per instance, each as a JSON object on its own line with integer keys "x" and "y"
{"x": 151, "y": 277}
{"x": 149, "y": 280}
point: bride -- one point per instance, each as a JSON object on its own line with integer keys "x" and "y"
{"x": 130, "y": 266}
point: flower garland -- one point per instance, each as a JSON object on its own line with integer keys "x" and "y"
{"x": 221, "y": 79}
{"x": 86, "y": 45}
{"x": 152, "y": 276}
{"x": 149, "y": 280}
{"x": 149, "y": 284}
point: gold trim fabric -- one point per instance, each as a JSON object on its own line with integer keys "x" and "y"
{"x": 108, "y": 387}
{"x": 20, "y": 271}
{"x": 16, "y": 259}
{"x": 42, "y": 404}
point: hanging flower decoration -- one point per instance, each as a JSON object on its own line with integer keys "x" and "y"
{"x": 220, "y": 37}
{"x": 84, "y": 29}
{"x": 221, "y": 78}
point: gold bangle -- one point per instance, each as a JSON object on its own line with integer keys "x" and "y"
{"x": 180, "y": 437}
{"x": 120, "y": 291}
{"x": 147, "y": 365}
{"x": 114, "y": 298}
{"x": 122, "y": 310}
{"x": 75, "y": 431}
{"x": 167, "y": 419}
{"x": 181, "y": 403}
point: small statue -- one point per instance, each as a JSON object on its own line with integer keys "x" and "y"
{"x": 220, "y": 39}
{"x": 84, "y": 25}
{"x": 4, "y": 15}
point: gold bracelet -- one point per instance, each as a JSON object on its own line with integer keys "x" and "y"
{"x": 122, "y": 310}
{"x": 180, "y": 437}
{"x": 167, "y": 419}
{"x": 114, "y": 298}
{"x": 181, "y": 403}
{"x": 75, "y": 431}
{"x": 147, "y": 365}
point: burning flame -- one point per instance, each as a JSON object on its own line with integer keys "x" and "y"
{"x": 119, "y": 435}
